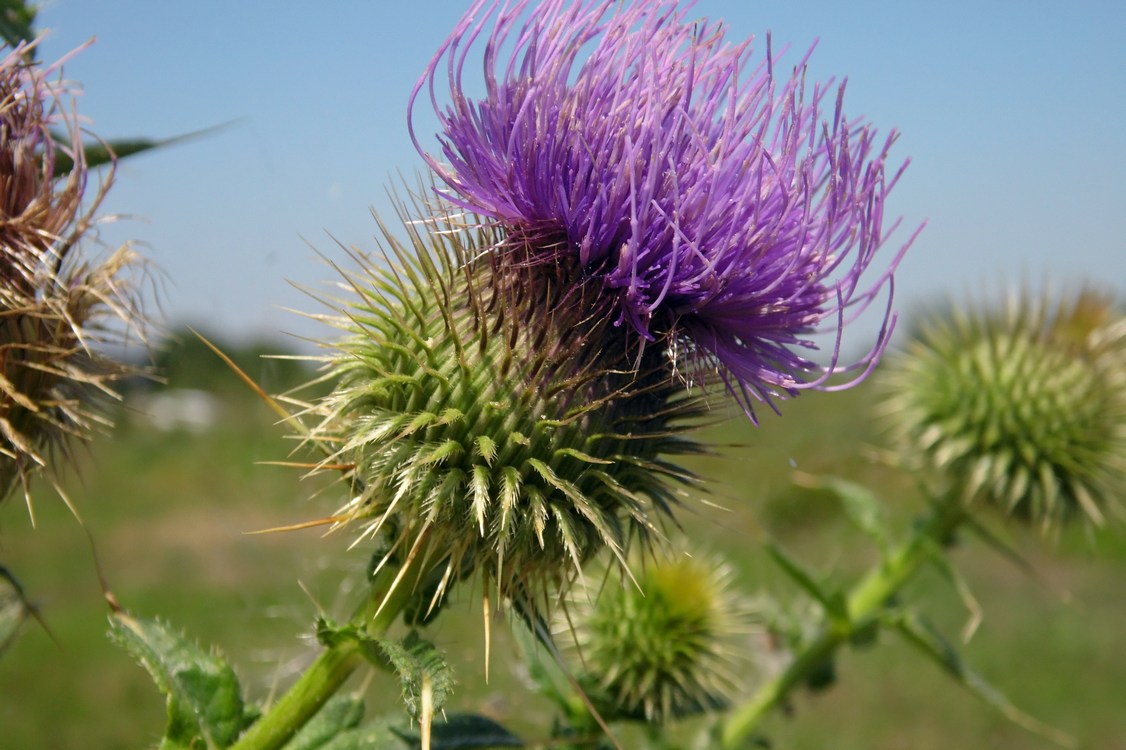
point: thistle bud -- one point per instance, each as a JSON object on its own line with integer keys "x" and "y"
{"x": 55, "y": 306}
{"x": 1023, "y": 407}
{"x": 489, "y": 431}
{"x": 666, "y": 647}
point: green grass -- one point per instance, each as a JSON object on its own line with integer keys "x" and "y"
{"x": 169, "y": 511}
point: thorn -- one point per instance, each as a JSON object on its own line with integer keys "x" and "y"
{"x": 402, "y": 571}
{"x": 488, "y": 630}
{"x": 111, "y": 600}
{"x": 426, "y": 715}
{"x": 278, "y": 409}
{"x": 299, "y": 526}
{"x": 309, "y": 465}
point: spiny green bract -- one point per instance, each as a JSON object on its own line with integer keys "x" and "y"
{"x": 491, "y": 427}
{"x": 1024, "y": 407}
{"x": 663, "y": 648}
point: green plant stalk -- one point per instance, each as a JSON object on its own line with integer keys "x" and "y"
{"x": 866, "y": 602}
{"x": 329, "y": 671}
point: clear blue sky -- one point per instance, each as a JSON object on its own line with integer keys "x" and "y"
{"x": 1013, "y": 113}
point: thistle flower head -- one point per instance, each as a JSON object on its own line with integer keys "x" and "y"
{"x": 484, "y": 436}
{"x": 1023, "y": 406}
{"x": 666, "y": 647}
{"x": 55, "y": 306}
{"x": 718, "y": 208}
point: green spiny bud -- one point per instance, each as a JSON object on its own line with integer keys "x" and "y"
{"x": 1024, "y": 407}
{"x": 489, "y": 426}
{"x": 665, "y": 647}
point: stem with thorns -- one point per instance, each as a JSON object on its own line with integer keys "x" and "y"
{"x": 386, "y": 597}
{"x": 866, "y": 602}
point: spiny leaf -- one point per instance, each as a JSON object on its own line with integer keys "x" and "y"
{"x": 203, "y": 697}
{"x": 468, "y": 732}
{"x": 379, "y": 734}
{"x": 341, "y": 713}
{"x": 13, "y": 608}
{"x": 420, "y": 667}
{"x": 860, "y": 504}
{"x": 923, "y": 636}
{"x": 1000, "y": 546}
{"x": 536, "y": 656}
{"x": 98, "y": 153}
{"x": 16, "y": 23}
{"x": 833, "y": 602}
{"x": 942, "y": 563}
{"x": 329, "y": 635}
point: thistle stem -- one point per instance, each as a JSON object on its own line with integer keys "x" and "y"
{"x": 329, "y": 671}
{"x": 866, "y": 601}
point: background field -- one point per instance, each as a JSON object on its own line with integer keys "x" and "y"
{"x": 168, "y": 512}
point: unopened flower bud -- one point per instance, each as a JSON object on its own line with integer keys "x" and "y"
{"x": 666, "y": 646}
{"x": 489, "y": 436}
{"x": 1023, "y": 406}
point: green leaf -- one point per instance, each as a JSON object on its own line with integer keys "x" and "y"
{"x": 379, "y": 734}
{"x": 329, "y": 634}
{"x": 923, "y": 636}
{"x": 542, "y": 668}
{"x": 421, "y": 668}
{"x": 860, "y": 504}
{"x": 99, "y": 152}
{"x": 14, "y": 608}
{"x": 341, "y": 713}
{"x": 467, "y": 732}
{"x": 16, "y": 22}
{"x": 205, "y": 707}
{"x": 834, "y": 602}
{"x": 942, "y": 563}
{"x": 1000, "y": 546}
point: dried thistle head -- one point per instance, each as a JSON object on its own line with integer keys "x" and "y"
{"x": 56, "y": 307}
{"x": 673, "y": 644}
{"x": 1022, "y": 405}
{"x": 485, "y": 428}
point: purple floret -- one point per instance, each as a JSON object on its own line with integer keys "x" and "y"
{"x": 726, "y": 211}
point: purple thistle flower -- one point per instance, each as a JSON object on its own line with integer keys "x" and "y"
{"x": 724, "y": 211}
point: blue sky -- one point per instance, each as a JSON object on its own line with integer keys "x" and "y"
{"x": 1013, "y": 115}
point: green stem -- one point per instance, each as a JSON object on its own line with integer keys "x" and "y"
{"x": 319, "y": 682}
{"x": 866, "y": 602}
{"x": 328, "y": 672}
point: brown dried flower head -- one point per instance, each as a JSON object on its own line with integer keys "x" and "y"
{"x": 57, "y": 308}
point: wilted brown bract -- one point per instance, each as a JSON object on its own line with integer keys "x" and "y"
{"x": 56, "y": 307}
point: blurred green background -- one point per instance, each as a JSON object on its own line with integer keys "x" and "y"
{"x": 168, "y": 507}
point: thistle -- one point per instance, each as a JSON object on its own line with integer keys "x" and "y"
{"x": 55, "y": 306}
{"x": 717, "y": 209}
{"x": 482, "y": 435}
{"x": 1023, "y": 406}
{"x": 667, "y": 647}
